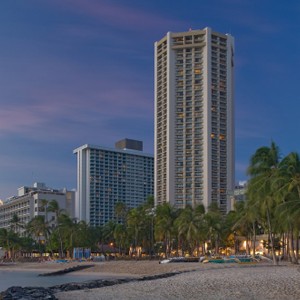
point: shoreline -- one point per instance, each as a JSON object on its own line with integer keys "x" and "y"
{"x": 129, "y": 279}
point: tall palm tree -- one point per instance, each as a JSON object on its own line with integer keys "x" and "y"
{"x": 53, "y": 207}
{"x": 135, "y": 223}
{"x": 44, "y": 207}
{"x": 190, "y": 225}
{"x": 246, "y": 221}
{"x": 164, "y": 225}
{"x": 120, "y": 236}
{"x": 85, "y": 236}
{"x": 289, "y": 200}
{"x": 120, "y": 212}
{"x": 263, "y": 169}
{"x": 214, "y": 224}
{"x": 69, "y": 230}
{"x": 108, "y": 231}
{"x": 39, "y": 229}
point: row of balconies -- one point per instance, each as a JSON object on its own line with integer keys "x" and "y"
{"x": 161, "y": 57}
{"x": 161, "y": 51}
{"x": 188, "y": 39}
{"x": 219, "y": 60}
{"x": 16, "y": 209}
{"x": 162, "y": 95}
{"x": 189, "y": 57}
{"x": 217, "y": 50}
{"x": 190, "y": 101}
{"x": 220, "y": 44}
{"x": 161, "y": 78}
{"x": 189, "y": 50}
{"x": 161, "y": 65}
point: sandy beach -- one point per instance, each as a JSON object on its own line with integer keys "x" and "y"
{"x": 198, "y": 281}
{"x": 260, "y": 282}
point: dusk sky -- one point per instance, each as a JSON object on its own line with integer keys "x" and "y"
{"x": 81, "y": 71}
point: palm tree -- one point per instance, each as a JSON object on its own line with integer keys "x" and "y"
{"x": 190, "y": 224}
{"x": 120, "y": 236}
{"x": 246, "y": 221}
{"x": 164, "y": 225}
{"x": 44, "y": 207}
{"x": 108, "y": 231}
{"x": 9, "y": 240}
{"x": 214, "y": 224}
{"x": 86, "y": 236}
{"x": 39, "y": 229}
{"x": 289, "y": 200}
{"x": 263, "y": 169}
{"x": 135, "y": 223}
{"x": 120, "y": 212}
{"x": 68, "y": 229}
{"x": 53, "y": 206}
{"x": 16, "y": 223}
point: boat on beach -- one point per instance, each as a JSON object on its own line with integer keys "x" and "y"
{"x": 179, "y": 260}
{"x": 230, "y": 259}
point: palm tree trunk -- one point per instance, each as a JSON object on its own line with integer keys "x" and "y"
{"x": 217, "y": 245}
{"x": 60, "y": 242}
{"x": 275, "y": 262}
{"x": 292, "y": 249}
{"x": 288, "y": 246}
{"x": 283, "y": 245}
{"x": 254, "y": 239}
{"x": 297, "y": 245}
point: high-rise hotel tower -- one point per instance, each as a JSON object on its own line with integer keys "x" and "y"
{"x": 194, "y": 119}
{"x": 106, "y": 176}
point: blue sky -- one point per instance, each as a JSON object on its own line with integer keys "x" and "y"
{"x": 81, "y": 71}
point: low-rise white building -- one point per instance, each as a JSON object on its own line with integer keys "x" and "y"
{"x": 32, "y": 202}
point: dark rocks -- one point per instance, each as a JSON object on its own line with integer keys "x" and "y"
{"x": 93, "y": 284}
{"x": 27, "y": 293}
{"x": 31, "y": 293}
{"x": 68, "y": 270}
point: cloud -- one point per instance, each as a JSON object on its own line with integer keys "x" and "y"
{"x": 116, "y": 15}
{"x": 71, "y": 93}
{"x": 14, "y": 118}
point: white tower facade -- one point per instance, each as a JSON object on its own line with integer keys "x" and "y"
{"x": 194, "y": 119}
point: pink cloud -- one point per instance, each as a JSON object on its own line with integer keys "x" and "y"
{"x": 18, "y": 118}
{"x": 50, "y": 108}
{"x": 118, "y": 15}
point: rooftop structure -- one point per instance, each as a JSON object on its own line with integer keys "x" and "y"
{"x": 129, "y": 145}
